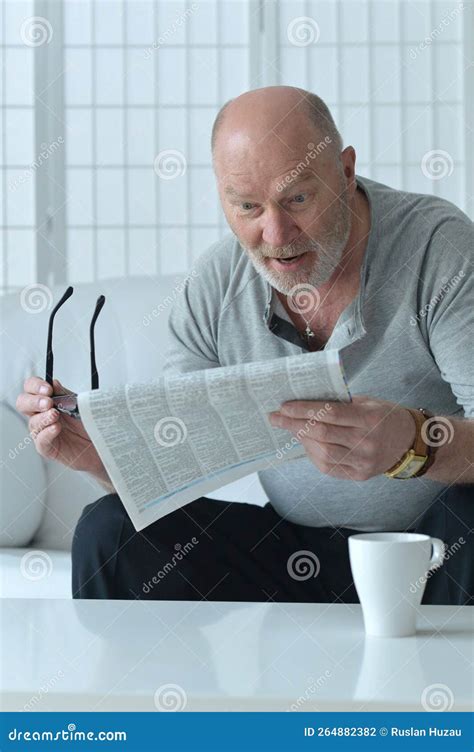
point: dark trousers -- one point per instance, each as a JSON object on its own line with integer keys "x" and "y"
{"x": 226, "y": 551}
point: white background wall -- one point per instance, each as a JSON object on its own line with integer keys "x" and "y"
{"x": 106, "y": 86}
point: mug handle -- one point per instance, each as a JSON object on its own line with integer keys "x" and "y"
{"x": 437, "y": 556}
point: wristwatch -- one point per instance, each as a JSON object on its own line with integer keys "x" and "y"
{"x": 421, "y": 456}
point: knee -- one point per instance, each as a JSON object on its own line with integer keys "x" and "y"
{"x": 457, "y": 493}
{"x": 95, "y": 542}
{"x": 457, "y": 504}
{"x": 99, "y": 519}
{"x": 452, "y": 519}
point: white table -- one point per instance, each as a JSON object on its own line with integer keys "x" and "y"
{"x": 123, "y": 655}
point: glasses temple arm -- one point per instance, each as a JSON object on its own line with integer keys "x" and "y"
{"x": 49, "y": 346}
{"x": 94, "y": 374}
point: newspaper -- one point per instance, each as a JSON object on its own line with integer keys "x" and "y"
{"x": 165, "y": 443}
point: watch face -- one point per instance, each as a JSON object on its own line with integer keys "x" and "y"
{"x": 413, "y": 467}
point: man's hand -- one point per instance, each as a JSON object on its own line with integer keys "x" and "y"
{"x": 58, "y": 436}
{"x": 352, "y": 441}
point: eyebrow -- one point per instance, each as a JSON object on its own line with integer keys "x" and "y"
{"x": 230, "y": 191}
{"x": 297, "y": 181}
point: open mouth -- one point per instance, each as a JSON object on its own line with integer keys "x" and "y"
{"x": 289, "y": 261}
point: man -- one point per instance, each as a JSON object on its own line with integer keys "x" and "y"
{"x": 319, "y": 258}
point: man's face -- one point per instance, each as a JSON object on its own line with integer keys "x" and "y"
{"x": 307, "y": 222}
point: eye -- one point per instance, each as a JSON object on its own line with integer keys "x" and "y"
{"x": 246, "y": 206}
{"x": 300, "y": 198}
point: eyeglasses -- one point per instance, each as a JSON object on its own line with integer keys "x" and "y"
{"x": 67, "y": 403}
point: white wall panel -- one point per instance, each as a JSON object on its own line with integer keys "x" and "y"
{"x": 144, "y": 79}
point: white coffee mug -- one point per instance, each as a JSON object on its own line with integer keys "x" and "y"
{"x": 389, "y": 572}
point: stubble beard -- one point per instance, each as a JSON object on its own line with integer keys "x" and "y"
{"x": 324, "y": 256}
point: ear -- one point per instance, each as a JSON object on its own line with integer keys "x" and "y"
{"x": 348, "y": 159}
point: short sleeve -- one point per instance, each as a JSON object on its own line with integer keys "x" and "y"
{"x": 448, "y": 302}
{"x": 193, "y": 324}
{"x": 191, "y": 346}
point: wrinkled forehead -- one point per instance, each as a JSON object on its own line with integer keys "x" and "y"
{"x": 257, "y": 179}
{"x": 243, "y": 161}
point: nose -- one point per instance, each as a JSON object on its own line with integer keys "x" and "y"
{"x": 278, "y": 228}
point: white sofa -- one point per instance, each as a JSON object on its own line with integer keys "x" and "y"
{"x": 40, "y": 501}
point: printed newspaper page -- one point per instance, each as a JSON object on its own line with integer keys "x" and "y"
{"x": 169, "y": 441}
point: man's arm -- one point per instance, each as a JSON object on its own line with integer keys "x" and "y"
{"x": 449, "y": 273}
{"x": 367, "y": 436}
{"x": 104, "y": 480}
{"x": 193, "y": 322}
{"x": 455, "y": 454}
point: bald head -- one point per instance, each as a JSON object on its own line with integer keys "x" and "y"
{"x": 273, "y": 109}
{"x": 285, "y": 183}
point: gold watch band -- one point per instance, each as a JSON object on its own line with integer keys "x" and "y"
{"x": 414, "y": 460}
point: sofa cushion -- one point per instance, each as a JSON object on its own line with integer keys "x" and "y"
{"x": 23, "y": 481}
{"x": 131, "y": 342}
{"x": 35, "y": 573}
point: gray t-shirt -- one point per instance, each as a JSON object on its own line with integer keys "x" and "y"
{"x": 407, "y": 337}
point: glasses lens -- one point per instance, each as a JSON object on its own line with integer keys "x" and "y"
{"x": 66, "y": 402}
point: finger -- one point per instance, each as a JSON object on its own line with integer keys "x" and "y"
{"x": 332, "y": 454}
{"x": 60, "y": 388}
{"x": 35, "y": 385}
{"x": 328, "y": 433}
{"x": 45, "y": 441}
{"x": 42, "y": 420}
{"x": 29, "y": 404}
{"x": 339, "y": 413}
{"x": 323, "y": 432}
